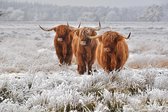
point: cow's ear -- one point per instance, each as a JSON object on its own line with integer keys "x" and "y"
{"x": 100, "y": 38}
{"x": 119, "y": 38}
{"x": 55, "y": 29}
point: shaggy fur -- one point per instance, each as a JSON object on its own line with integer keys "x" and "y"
{"x": 63, "y": 48}
{"x": 84, "y": 49}
{"x": 62, "y": 43}
{"x": 112, "y": 51}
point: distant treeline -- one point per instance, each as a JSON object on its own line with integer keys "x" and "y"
{"x": 40, "y": 12}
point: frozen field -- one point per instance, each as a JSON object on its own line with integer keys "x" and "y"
{"x": 32, "y": 81}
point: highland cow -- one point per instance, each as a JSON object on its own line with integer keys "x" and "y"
{"x": 62, "y": 42}
{"x": 84, "y": 48}
{"x": 112, "y": 50}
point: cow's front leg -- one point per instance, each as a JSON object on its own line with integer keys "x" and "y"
{"x": 69, "y": 56}
{"x": 64, "y": 50}
{"x": 60, "y": 56}
{"x": 68, "y": 59}
{"x": 81, "y": 65}
{"x": 90, "y": 67}
{"x": 81, "y": 69}
{"x": 58, "y": 50}
{"x": 113, "y": 62}
{"x": 61, "y": 60}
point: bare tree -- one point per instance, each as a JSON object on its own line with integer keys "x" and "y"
{"x": 152, "y": 13}
{"x": 1, "y": 13}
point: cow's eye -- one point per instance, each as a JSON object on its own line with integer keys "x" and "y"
{"x": 106, "y": 46}
{"x": 86, "y": 32}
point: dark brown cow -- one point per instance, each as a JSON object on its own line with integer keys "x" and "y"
{"x": 62, "y": 42}
{"x": 112, "y": 51}
{"x": 84, "y": 48}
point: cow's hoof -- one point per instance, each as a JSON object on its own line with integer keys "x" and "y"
{"x": 90, "y": 73}
{"x": 60, "y": 64}
{"x": 81, "y": 72}
{"x": 95, "y": 70}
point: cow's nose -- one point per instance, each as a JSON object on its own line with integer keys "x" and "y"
{"x": 107, "y": 49}
{"x": 83, "y": 42}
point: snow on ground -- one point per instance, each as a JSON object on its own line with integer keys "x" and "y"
{"x": 32, "y": 81}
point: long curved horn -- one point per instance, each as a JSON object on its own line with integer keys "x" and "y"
{"x": 47, "y": 29}
{"x": 67, "y": 24}
{"x": 128, "y": 36}
{"x": 99, "y": 27}
{"x": 73, "y": 28}
{"x": 79, "y": 25}
{"x": 94, "y": 37}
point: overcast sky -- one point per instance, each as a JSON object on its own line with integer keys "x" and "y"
{"x": 110, "y": 3}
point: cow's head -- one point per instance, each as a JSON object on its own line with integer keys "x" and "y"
{"x": 61, "y": 31}
{"x": 85, "y": 32}
{"x": 109, "y": 41}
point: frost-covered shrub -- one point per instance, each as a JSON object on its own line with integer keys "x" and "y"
{"x": 32, "y": 81}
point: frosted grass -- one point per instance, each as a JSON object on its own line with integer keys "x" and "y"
{"x": 32, "y": 81}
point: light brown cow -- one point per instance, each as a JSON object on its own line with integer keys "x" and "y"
{"x": 84, "y": 48}
{"x": 112, "y": 50}
{"x": 62, "y": 42}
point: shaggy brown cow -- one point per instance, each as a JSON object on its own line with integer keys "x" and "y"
{"x": 112, "y": 50}
{"x": 62, "y": 42}
{"x": 84, "y": 48}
